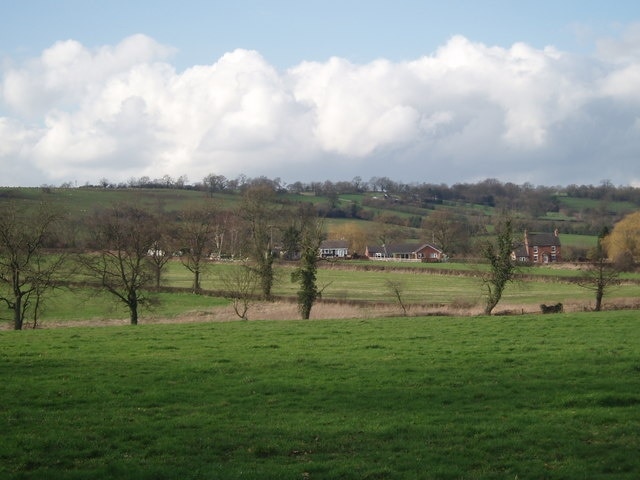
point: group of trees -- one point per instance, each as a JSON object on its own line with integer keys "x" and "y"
{"x": 490, "y": 192}
{"x": 532, "y": 202}
{"x": 127, "y": 248}
{"x": 124, "y": 249}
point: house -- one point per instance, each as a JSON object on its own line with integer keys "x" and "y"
{"x": 415, "y": 252}
{"x": 334, "y": 249}
{"x": 539, "y": 248}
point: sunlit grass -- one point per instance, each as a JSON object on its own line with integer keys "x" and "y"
{"x": 418, "y": 286}
{"x": 436, "y": 398}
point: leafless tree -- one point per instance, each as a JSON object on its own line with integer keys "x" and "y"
{"x": 197, "y": 231}
{"x": 261, "y": 220}
{"x": 27, "y": 271}
{"x": 397, "y": 288}
{"x": 449, "y": 232}
{"x": 162, "y": 249}
{"x": 601, "y": 274}
{"x": 240, "y": 285}
{"x": 125, "y": 235}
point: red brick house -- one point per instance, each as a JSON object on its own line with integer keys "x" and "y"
{"x": 415, "y": 252}
{"x": 539, "y": 248}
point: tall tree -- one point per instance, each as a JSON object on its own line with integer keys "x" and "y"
{"x": 261, "y": 218}
{"x": 240, "y": 284}
{"x": 502, "y": 266}
{"x": 601, "y": 274}
{"x": 197, "y": 230}
{"x": 449, "y": 232}
{"x": 306, "y": 274}
{"x": 124, "y": 235}
{"x": 27, "y": 272}
{"x": 162, "y": 248}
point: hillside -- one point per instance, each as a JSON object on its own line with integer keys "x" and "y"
{"x": 365, "y": 212}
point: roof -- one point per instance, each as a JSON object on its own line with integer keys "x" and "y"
{"x": 543, "y": 239}
{"x": 400, "y": 248}
{"x": 520, "y": 251}
{"x": 334, "y": 244}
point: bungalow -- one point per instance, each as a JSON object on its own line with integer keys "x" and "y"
{"x": 416, "y": 252}
{"x": 538, "y": 248}
{"x": 334, "y": 249}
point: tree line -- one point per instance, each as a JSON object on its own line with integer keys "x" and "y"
{"x": 124, "y": 250}
{"x": 490, "y": 192}
{"x": 534, "y": 202}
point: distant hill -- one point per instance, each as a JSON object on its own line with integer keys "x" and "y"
{"x": 375, "y": 208}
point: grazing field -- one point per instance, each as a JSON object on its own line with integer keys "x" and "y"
{"x": 424, "y": 289}
{"x": 432, "y": 398}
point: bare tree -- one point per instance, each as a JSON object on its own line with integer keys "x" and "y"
{"x": 124, "y": 234}
{"x": 27, "y": 272}
{"x": 240, "y": 285}
{"x": 450, "y": 232}
{"x": 196, "y": 233}
{"x": 215, "y": 183}
{"x": 396, "y": 288}
{"x": 501, "y": 264}
{"x": 601, "y": 274}
{"x": 261, "y": 219}
{"x": 162, "y": 249}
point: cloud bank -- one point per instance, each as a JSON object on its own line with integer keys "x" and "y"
{"x": 465, "y": 112}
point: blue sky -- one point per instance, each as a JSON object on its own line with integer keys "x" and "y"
{"x": 288, "y": 32}
{"x": 541, "y": 92}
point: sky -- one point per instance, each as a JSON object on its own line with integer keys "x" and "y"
{"x": 540, "y": 92}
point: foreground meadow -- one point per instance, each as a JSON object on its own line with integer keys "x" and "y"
{"x": 439, "y": 397}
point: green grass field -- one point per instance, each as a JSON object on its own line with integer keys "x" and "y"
{"x": 524, "y": 397}
{"x": 463, "y": 286}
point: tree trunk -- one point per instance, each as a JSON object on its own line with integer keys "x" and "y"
{"x": 492, "y": 300}
{"x": 599, "y": 295}
{"x": 133, "y": 308}
{"x": 17, "y": 313}
{"x": 265, "y": 270}
{"x": 196, "y": 282}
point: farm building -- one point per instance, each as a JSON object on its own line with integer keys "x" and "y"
{"x": 417, "y": 252}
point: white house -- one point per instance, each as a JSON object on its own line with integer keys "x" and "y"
{"x": 334, "y": 249}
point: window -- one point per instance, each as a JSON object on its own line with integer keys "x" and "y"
{"x": 535, "y": 258}
{"x": 535, "y": 249}
{"x": 553, "y": 249}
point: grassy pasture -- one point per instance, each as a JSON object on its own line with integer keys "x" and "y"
{"x": 587, "y": 203}
{"x": 432, "y": 398}
{"x": 418, "y": 286}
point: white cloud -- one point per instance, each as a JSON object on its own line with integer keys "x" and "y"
{"x": 67, "y": 72}
{"x": 623, "y": 49}
{"x": 467, "y": 111}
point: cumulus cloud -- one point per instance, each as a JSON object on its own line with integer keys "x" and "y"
{"x": 465, "y": 112}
